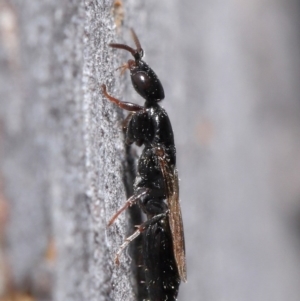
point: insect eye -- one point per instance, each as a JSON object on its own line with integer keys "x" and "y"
{"x": 146, "y": 82}
{"x": 141, "y": 81}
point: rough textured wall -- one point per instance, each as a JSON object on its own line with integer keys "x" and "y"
{"x": 230, "y": 71}
{"x": 62, "y": 151}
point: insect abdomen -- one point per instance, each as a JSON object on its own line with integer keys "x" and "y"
{"x": 161, "y": 272}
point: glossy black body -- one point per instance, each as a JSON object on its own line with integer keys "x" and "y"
{"x": 160, "y": 268}
{"x": 150, "y": 126}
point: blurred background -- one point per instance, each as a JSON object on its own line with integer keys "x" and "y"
{"x": 231, "y": 72}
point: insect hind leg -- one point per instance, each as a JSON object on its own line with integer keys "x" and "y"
{"x": 140, "y": 229}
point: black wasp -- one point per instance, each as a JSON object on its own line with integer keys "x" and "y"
{"x": 156, "y": 186}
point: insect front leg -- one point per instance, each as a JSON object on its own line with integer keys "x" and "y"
{"x": 140, "y": 229}
{"x": 128, "y": 106}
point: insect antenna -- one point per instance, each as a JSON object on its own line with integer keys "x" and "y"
{"x": 137, "y": 43}
{"x": 123, "y": 46}
{"x": 136, "y": 53}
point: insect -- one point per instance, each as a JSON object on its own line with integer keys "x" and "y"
{"x": 156, "y": 186}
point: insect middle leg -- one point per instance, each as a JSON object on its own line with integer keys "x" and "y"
{"x": 140, "y": 229}
{"x": 132, "y": 200}
{"x": 126, "y": 122}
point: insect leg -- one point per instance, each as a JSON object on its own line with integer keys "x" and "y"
{"x": 126, "y": 121}
{"x": 132, "y": 200}
{"x": 122, "y": 104}
{"x": 140, "y": 229}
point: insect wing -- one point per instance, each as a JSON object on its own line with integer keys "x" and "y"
{"x": 170, "y": 175}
